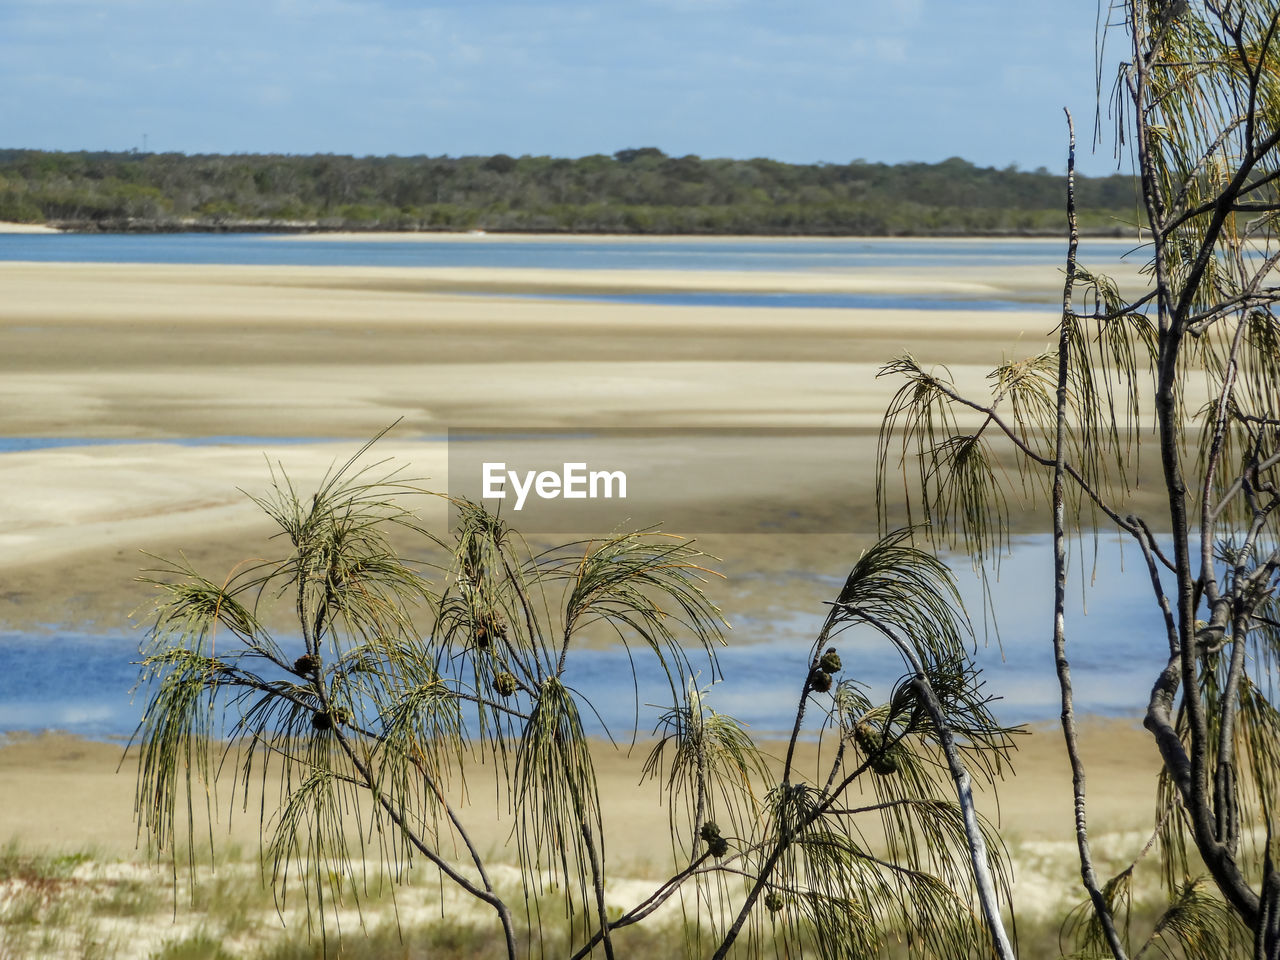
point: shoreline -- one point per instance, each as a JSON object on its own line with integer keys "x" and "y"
{"x": 374, "y": 236}
{"x": 347, "y": 232}
{"x": 10, "y": 226}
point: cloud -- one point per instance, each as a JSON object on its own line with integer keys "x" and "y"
{"x": 274, "y": 95}
{"x": 695, "y": 6}
{"x": 715, "y": 77}
{"x": 891, "y": 49}
{"x": 908, "y": 13}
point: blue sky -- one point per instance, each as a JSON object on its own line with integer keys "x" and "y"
{"x": 796, "y": 80}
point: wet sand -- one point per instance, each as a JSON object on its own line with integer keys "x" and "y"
{"x": 332, "y": 355}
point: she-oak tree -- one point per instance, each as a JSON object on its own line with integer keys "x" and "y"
{"x": 1191, "y": 366}
{"x": 367, "y": 722}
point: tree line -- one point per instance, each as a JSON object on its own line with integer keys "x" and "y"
{"x": 639, "y": 190}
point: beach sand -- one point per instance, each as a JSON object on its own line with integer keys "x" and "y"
{"x": 67, "y": 807}
{"x": 8, "y": 226}
{"x": 62, "y": 794}
{"x": 332, "y": 355}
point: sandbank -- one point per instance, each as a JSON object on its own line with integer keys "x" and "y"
{"x": 137, "y": 352}
{"x": 1033, "y": 283}
{"x": 8, "y": 226}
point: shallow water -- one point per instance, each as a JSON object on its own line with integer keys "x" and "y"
{"x": 80, "y": 682}
{"x": 26, "y": 444}
{"x": 576, "y": 253}
{"x": 825, "y": 301}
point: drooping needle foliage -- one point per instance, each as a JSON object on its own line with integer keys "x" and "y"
{"x": 352, "y": 734}
{"x": 1179, "y": 379}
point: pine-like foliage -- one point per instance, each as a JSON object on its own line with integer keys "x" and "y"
{"x": 1180, "y": 380}
{"x": 373, "y": 710}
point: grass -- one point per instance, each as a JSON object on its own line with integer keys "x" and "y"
{"x": 27, "y": 867}
{"x": 129, "y": 898}
{"x": 232, "y": 899}
{"x": 79, "y": 907}
{"x": 198, "y": 946}
{"x": 444, "y": 940}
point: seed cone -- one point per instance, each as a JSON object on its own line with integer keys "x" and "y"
{"x": 326, "y": 721}
{"x": 492, "y": 626}
{"x": 717, "y": 845}
{"x": 820, "y": 680}
{"x": 772, "y": 902}
{"x": 885, "y": 764}
{"x": 504, "y": 684}
{"x": 830, "y": 661}
{"x": 869, "y": 740}
{"x": 306, "y": 665}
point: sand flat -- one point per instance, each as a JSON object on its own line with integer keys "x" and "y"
{"x": 150, "y": 352}
{"x": 153, "y": 352}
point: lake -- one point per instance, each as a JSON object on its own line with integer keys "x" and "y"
{"x": 842, "y": 255}
{"x": 80, "y": 682}
{"x": 544, "y": 253}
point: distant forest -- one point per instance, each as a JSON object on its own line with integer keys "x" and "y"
{"x": 634, "y": 191}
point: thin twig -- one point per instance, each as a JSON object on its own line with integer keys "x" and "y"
{"x": 1087, "y": 875}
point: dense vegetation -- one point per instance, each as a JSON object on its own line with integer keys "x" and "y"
{"x": 634, "y": 191}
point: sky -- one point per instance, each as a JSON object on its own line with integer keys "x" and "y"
{"x": 801, "y": 81}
